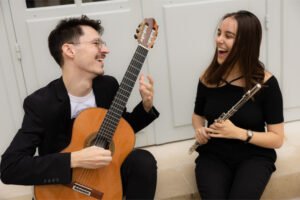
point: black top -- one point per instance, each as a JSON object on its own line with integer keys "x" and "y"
{"x": 266, "y": 108}
{"x": 47, "y": 126}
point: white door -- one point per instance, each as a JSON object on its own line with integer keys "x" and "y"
{"x": 184, "y": 49}
{"x": 34, "y": 19}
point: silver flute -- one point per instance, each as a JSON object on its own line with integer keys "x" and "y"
{"x": 232, "y": 110}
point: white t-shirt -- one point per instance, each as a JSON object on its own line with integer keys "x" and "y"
{"x": 80, "y": 103}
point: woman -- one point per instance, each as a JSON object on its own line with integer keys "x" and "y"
{"x": 237, "y": 156}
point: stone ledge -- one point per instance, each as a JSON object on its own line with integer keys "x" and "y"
{"x": 176, "y": 178}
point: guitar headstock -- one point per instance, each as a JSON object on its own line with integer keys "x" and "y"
{"x": 146, "y": 32}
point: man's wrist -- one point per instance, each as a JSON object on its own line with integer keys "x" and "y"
{"x": 147, "y": 108}
{"x": 73, "y": 161}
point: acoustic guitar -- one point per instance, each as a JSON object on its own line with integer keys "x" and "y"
{"x": 107, "y": 129}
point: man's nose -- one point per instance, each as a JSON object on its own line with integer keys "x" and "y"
{"x": 104, "y": 49}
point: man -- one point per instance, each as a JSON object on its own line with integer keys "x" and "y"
{"x": 77, "y": 46}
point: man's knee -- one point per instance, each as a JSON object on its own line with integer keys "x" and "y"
{"x": 143, "y": 159}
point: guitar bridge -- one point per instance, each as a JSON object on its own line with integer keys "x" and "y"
{"x": 85, "y": 190}
{"x": 82, "y": 189}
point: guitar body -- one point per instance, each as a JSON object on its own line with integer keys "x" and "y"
{"x": 104, "y": 182}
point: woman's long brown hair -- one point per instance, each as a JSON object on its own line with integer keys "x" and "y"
{"x": 245, "y": 52}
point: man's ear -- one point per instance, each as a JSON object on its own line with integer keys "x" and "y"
{"x": 68, "y": 50}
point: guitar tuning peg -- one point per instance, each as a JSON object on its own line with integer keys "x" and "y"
{"x": 137, "y": 30}
{"x": 135, "y": 36}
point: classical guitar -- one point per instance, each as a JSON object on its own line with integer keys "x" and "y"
{"x": 107, "y": 129}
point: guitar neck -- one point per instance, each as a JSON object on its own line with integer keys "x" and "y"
{"x": 117, "y": 107}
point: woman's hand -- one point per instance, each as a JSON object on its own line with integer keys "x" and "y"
{"x": 226, "y": 129}
{"x": 201, "y": 136}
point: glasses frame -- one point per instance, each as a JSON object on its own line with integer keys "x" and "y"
{"x": 98, "y": 43}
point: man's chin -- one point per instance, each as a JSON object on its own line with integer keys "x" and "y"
{"x": 95, "y": 74}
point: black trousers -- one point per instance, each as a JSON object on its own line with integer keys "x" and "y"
{"x": 218, "y": 179}
{"x": 139, "y": 175}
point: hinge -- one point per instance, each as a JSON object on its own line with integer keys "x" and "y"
{"x": 267, "y": 22}
{"x": 18, "y": 52}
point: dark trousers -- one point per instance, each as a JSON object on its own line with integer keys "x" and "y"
{"x": 139, "y": 175}
{"x": 218, "y": 179}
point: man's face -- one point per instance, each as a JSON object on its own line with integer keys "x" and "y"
{"x": 90, "y": 52}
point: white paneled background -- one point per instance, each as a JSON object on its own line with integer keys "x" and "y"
{"x": 183, "y": 49}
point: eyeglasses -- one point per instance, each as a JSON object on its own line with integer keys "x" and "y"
{"x": 98, "y": 43}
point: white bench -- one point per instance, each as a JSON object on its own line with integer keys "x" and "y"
{"x": 176, "y": 179}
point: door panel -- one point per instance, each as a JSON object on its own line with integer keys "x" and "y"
{"x": 290, "y": 60}
{"x": 11, "y": 82}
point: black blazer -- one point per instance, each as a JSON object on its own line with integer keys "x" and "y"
{"x": 47, "y": 126}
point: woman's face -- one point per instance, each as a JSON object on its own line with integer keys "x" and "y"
{"x": 225, "y": 38}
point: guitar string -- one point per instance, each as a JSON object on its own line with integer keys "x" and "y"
{"x": 118, "y": 99}
{"x": 107, "y": 123}
{"x": 113, "y": 119}
{"x": 129, "y": 83}
{"x": 113, "y": 116}
{"x": 115, "y": 122}
{"x": 86, "y": 174}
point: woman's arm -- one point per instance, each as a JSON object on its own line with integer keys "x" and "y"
{"x": 272, "y": 138}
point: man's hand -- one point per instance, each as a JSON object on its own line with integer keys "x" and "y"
{"x": 146, "y": 90}
{"x": 91, "y": 158}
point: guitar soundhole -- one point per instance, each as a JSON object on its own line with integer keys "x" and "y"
{"x": 99, "y": 141}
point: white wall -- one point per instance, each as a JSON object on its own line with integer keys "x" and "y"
{"x": 290, "y": 66}
{"x": 182, "y": 50}
{"x": 10, "y": 90}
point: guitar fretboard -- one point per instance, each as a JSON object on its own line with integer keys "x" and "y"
{"x": 117, "y": 107}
